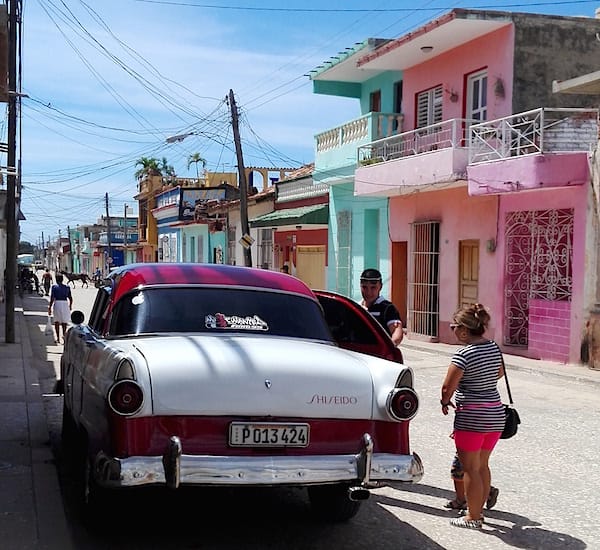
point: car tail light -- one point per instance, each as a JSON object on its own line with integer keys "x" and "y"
{"x": 402, "y": 403}
{"x": 126, "y": 397}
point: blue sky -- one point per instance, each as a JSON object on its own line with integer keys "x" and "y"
{"x": 109, "y": 81}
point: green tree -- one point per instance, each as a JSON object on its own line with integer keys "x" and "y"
{"x": 25, "y": 247}
{"x": 149, "y": 166}
{"x": 195, "y": 158}
{"x": 166, "y": 169}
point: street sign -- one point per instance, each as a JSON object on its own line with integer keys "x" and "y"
{"x": 246, "y": 241}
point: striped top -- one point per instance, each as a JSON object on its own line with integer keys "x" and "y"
{"x": 478, "y": 405}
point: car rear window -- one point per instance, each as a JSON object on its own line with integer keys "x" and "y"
{"x": 218, "y": 311}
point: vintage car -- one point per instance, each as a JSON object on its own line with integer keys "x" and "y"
{"x": 213, "y": 375}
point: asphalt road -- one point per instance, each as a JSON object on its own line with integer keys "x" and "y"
{"x": 548, "y": 476}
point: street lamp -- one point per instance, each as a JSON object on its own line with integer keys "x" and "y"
{"x": 177, "y": 138}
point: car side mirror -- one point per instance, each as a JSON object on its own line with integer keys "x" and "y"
{"x": 77, "y": 317}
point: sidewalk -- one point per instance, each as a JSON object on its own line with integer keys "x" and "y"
{"x": 572, "y": 372}
{"x": 31, "y": 507}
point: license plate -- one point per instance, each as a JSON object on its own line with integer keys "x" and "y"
{"x": 244, "y": 434}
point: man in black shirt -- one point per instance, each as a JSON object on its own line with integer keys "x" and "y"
{"x": 383, "y": 310}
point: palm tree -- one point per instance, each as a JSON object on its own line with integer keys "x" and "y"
{"x": 166, "y": 169}
{"x": 149, "y": 167}
{"x": 195, "y": 158}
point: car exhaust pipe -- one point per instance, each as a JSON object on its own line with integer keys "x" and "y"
{"x": 356, "y": 494}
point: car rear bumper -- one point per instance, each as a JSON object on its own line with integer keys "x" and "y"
{"x": 174, "y": 469}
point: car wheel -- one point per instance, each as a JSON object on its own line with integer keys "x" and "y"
{"x": 69, "y": 433}
{"x": 92, "y": 499}
{"x": 331, "y": 502}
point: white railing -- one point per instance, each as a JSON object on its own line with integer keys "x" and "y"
{"x": 540, "y": 130}
{"x": 443, "y": 135}
{"x": 371, "y": 126}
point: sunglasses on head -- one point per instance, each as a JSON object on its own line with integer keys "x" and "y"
{"x": 454, "y": 326}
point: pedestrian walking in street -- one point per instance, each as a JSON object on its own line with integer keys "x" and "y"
{"x": 47, "y": 281}
{"x": 472, "y": 380}
{"x": 61, "y": 302}
{"x": 383, "y": 310}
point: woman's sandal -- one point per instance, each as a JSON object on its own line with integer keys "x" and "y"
{"x": 467, "y": 523}
{"x": 456, "y": 504}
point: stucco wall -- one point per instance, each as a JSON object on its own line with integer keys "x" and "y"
{"x": 461, "y": 217}
{"x": 493, "y": 52}
{"x": 552, "y": 48}
{"x": 341, "y": 198}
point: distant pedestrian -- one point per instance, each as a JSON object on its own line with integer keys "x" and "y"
{"x": 47, "y": 281}
{"x": 60, "y": 306}
{"x": 285, "y": 269}
{"x": 383, "y": 310}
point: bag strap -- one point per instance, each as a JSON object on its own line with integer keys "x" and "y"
{"x": 510, "y": 399}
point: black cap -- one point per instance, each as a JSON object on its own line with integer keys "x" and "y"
{"x": 371, "y": 275}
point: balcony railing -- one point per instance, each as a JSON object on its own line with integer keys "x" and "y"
{"x": 443, "y": 135}
{"x": 365, "y": 128}
{"x": 538, "y": 131}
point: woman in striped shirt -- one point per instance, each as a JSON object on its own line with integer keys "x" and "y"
{"x": 472, "y": 380}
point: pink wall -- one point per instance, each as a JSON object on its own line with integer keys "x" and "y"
{"x": 461, "y": 217}
{"x": 549, "y": 324}
{"x": 493, "y": 52}
{"x": 529, "y": 172}
{"x": 573, "y": 197}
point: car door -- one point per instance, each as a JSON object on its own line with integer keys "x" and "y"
{"x": 355, "y": 329}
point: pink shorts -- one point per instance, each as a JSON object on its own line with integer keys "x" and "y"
{"x": 475, "y": 441}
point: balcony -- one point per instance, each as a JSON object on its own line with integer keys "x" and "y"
{"x": 337, "y": 147}
{"x": 416, "y": 159}
{"x": 537, "y": 131}
{"x": 541, "y": 148}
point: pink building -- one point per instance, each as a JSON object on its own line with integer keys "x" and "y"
{"x": 490, "y": 183}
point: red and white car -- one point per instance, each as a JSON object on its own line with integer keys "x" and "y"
{"x": 212, "y": 375}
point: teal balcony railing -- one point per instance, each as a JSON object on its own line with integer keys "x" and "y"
{"x": 338, "y": 146}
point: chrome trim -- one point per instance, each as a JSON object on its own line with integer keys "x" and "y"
{"x": 172, "y": 463}
{"x": 118, "y": 383}
{"x": 365, "y": 459}
{"x": 388, "y": 404}
{"x": 135, "y": 471}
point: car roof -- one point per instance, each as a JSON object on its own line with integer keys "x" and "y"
{"x": 132, "y": 276}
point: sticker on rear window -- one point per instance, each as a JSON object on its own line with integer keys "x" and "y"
{"x": 222, "y": 321}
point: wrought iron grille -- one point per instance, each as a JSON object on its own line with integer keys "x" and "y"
{"x": 343, "y": 263}
{"x": 539, "y": 251}
{"x": 424, "y": 283}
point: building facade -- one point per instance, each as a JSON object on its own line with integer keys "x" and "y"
{"x": 488, "y": 183}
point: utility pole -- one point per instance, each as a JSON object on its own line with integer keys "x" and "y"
{"x": 242, "y": 178}
{"x": 108, "y": 239}
{"x": 12, "y": 224}
{"x": 70, "y": 249}
{"x": 125, "y": 235}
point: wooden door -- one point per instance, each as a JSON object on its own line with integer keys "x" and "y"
{"x": 468, "y": 276}
{"x": 310, "y": 265}
{"x": 399, "y": 286}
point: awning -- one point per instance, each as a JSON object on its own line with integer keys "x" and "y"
{"x": 303, "y": 215}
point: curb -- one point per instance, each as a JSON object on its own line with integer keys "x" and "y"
{"x": 582, "y": 374}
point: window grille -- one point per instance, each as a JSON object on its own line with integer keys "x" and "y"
{"x": 265, "y": 248}
{"x": 538, "y": 265}
{"x": 231, "y": 242}
{"x": 343, "y": 270}
{"x": 424, "y": 283}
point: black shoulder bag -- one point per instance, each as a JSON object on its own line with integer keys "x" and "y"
{"x": 512, "y": 419}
